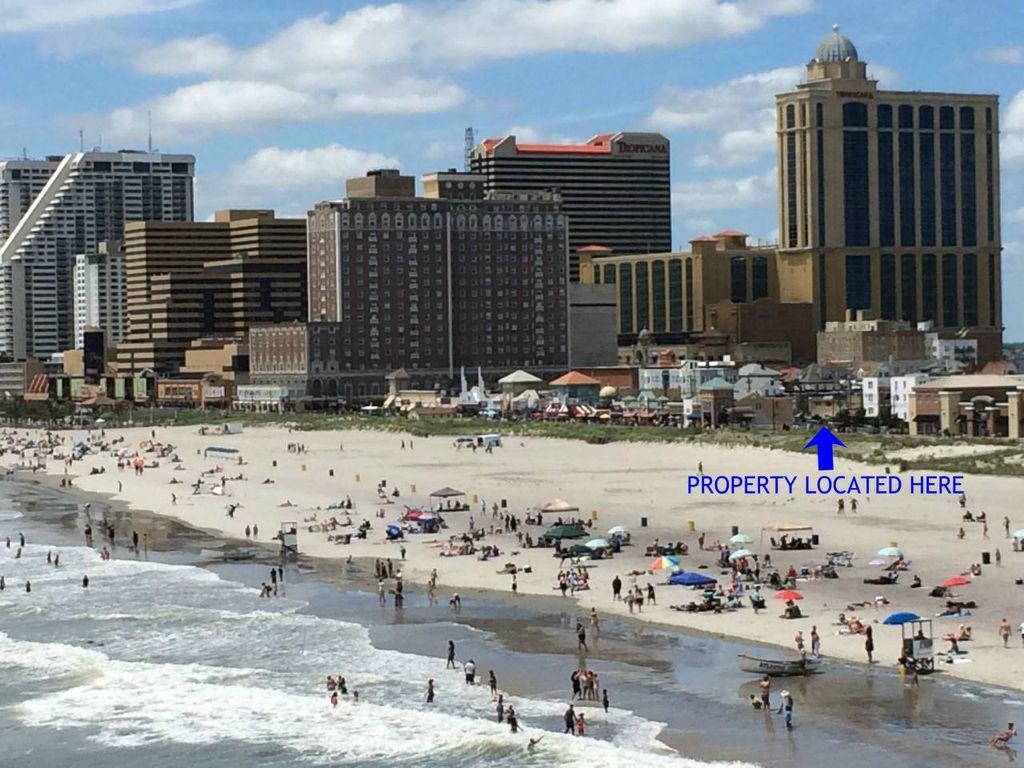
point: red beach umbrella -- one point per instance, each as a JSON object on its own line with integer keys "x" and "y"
{"x": 788, "y": 594}
{"x": 956, "y": 581}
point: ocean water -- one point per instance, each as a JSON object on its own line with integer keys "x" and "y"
{"x": 173, "y": 664}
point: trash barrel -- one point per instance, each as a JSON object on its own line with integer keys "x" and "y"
{"x": 735, "y": 530}
{"x": 504, "y": 504}
{"x": 986, "y": 558}
{"x": 691, "y": 526}
{"x": 593, "y": 515}
{"x": 643, "y": 522}
{"x": 330, "y": 472}
{"x": 814, "y": 539}
{"x": 274, "y": 463}
{"x": 414, "y": 487}
{"x": 474, "y": 498}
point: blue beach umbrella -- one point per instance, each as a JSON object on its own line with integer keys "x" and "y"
{"x": 690, "y": 579}
{"x": 901, "y": 618}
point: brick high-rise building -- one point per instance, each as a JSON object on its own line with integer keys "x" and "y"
{"x": 615, "y": 189}
{"x": 188, "y": 281}
{"x": 432, "y": 283}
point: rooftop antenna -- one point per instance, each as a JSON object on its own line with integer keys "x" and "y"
{"x": 24, "y": 153}
{"x": 470, "y": 143}
{"x": 149, "y": 119}
{"x": 81, "y": 141}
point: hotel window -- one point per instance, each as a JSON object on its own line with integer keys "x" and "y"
{"x": 658, "y": 295}
{"x": 790, "y": 116}
{"x": 950, "y": 291}
{"x": 908, "y": 222}
{"x": 855, "y": 186}
{"x": 759, "y": 274}
{"x": 926, "y": 118}
{"x": 908, "y": 287}
{"x": 887, "y": 287}
{"x": 968, "y": 208}
{"x": 738, "y": 278}
{"x": 992, "y": 289}
{"x": 926, "y": 159}
{"x": 946, "y": 118}
{"x": 609, "y": 273}
{"x": 989, "y": 188}
{"x": 821, "y": 186}
{"x": 906, "y": 116}
{"x": 791, "y": 189}
{"x": 819, "y": 115}
{"x": 947, "y": 186}
{"x": 966, "y": 118}
{"x": 886, "y": 198}
{"x": 855, "y": 115}
{"x": 642, "y": 297}
{"x": 884, "y": 113}
{"x": 858, "y": 281}
{"x": 625, "y": 298}
{"x": 689, "y": 294}
{"x": 675, "y": 295}
{"x": 970, "y": 286}
{"x": 929, "y": 288}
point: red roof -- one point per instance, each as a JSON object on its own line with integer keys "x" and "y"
{"x": 703, "y": 239}
{"x": 598, "y": 145}
{"x": 574, "y": 378}
{"x": 730, "y": 233}
{"x": 594, "y": 248}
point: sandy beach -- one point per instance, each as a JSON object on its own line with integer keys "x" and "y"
{"x": 623, "y": 483}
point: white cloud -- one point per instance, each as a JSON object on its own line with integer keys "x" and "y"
{"x": 34, "y": 15}
{"x": 291, "y": 180}
{"x": 724, "y": 194}
{"x": 1011, "y": 138}
{"x": 1006, "y": 54}
{"x": 401, "y": 58}
{"x": 740, "y": 113}
{"x": 531, "y": 134}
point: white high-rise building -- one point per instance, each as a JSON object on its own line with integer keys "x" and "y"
{"x": 86, "y": 199}
{"x": 101, "y": 293}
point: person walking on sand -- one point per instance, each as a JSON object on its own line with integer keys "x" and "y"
{"x": 616, "y": 588}
{"x": 1006, "y": 526}
{"x": 869, "y": 644}
{"x": 1004, "y": 632}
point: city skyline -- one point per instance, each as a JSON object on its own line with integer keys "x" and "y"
{"x": 245, "y": 92}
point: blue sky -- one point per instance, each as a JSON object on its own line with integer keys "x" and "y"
{"x": 280, "y": 101}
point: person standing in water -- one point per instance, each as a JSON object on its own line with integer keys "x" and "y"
{"x": 604, "y": 700}
{"x": 430, "y": 691}
{"x": 85, "y": 582}
{"x": 787, "y": 707}
{"x": 869, "y": 644}
{"x": 451, "y": 655}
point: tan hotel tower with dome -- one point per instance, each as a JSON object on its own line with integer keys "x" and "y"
{"x": 888, "y": 205}
{"x": 889, "y": 200}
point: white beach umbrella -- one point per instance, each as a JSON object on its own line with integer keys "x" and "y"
{"x": 741, "y": 553}
{"x": 617, "y": 530}
{"x": 741, "y": 538}
{"x": 597, "y": 544}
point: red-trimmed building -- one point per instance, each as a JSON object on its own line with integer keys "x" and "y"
{"x": 615, "y": 188}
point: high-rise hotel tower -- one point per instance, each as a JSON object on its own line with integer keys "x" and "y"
{"x": 889, "y": 200}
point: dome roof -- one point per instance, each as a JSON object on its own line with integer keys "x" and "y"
{"x": 835, "y": 47}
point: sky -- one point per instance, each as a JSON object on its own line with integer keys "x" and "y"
{"x": 281, "y": 101}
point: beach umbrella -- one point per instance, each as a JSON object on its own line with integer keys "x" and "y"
{"x": 564, "y": 532}
{"x": 740, "y": 553}
{"x": 665, "y": 562}
{"x": 877, "y": 561}
{"x": 956, "y": 581}
{"x": 788, "y": 594}
{"x": 741, "y": 538}
{"x": 598, "y": 544}
{"x": 690, "y": 579}
{"x": 901, "y": 617}
{"x": 890, "y": 552}
{"x": 1019, "y": 534}
{"x": 617, "y": 530}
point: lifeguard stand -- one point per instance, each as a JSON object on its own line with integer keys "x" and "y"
{"x": 289, "y": 536}
{"x": 919, "y": 645}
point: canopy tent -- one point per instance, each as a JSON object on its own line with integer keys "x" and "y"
{"x": 690, "y": 579}
{"x": 564, "y": 532}
{"x": 557, "y": 505}
{"x": 598, "y": 544}
{"x": 890, "y": 552}
{"x": 447, "y": 493}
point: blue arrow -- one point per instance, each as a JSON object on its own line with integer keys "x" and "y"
{"x": 824, "y": 441}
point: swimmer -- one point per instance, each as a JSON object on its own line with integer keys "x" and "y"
{"x": 533, "y": 743}
{"x": 1001, "y": 739}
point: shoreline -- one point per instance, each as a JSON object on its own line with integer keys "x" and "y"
{"x": 765, "y": 632}
{"x": 524, "y": 645}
